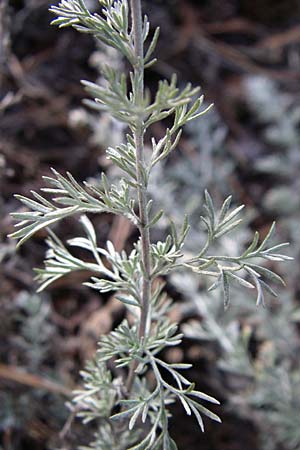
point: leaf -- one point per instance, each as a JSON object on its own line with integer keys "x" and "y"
{"x": 156, "y": 218}
{"x": 206, "y": 397}
{"x": 152, "y": 45}
{"x": 267, "y": 273}
{"x": 228, "y": 228}
{"x": 217, "y": 283}
{"x": 35, "y": 206}
{"x": 252, "y": 246}
{"x": 125, "y": 414}
{"x": 260, "y": 299}
{"x": 185, "y": 404}
{"x": 134, "y": 418}
{"x": 207, "y": 412}
{"x": 201, "y": 113}
{"x": 198, "y": 417}
{"x": 268, "y": 236}
{"x": 90, "y": 230}
{"x": 128, "y": 300}
{"x": 184, "y": 231}
{"x": 224, "y": 209}
{"x": 210, "y": 207}
{"x": 28, "y": 231}
{"x": 225, "y": 289}
{"x": 268, "y": 288}
{"x": 232, "y": 215}
{"x": 181, "y": 366}
{"x": 239, "y": 280}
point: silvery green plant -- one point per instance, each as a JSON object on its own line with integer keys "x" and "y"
{"x": 129, "y": 387}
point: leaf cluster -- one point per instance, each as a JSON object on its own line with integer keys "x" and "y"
{"x": 70, "y": 198}
{"x": 231, "y": 269}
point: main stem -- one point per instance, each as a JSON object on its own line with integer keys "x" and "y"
{"x": 138, "y": 133}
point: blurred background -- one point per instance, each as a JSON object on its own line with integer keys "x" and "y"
{"x": 245, "y": 55}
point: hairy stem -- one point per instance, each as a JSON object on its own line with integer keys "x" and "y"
{"x": 138, "y": 133}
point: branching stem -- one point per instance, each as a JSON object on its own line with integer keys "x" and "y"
{"x": 138, "y": 133}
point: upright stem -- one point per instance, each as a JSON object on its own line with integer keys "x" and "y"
{"x": 138, "y": 133}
